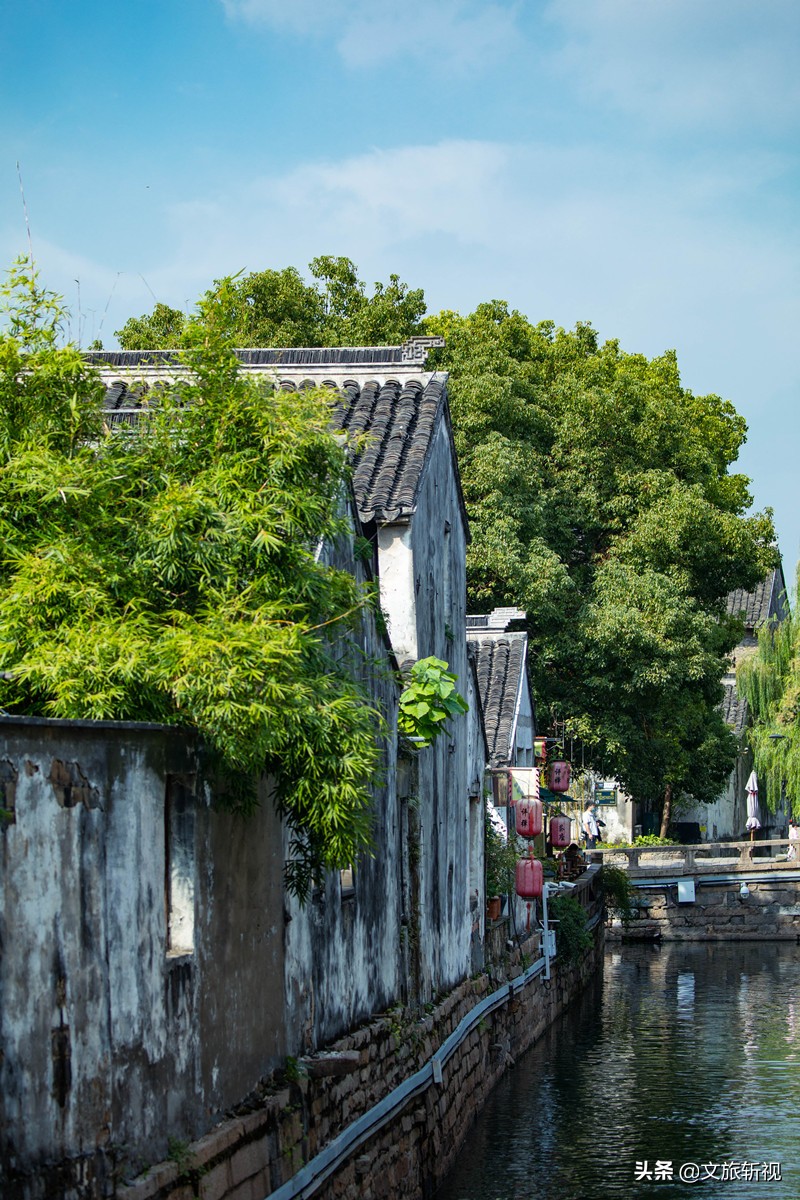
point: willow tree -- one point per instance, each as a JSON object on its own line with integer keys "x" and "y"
{"x": 770, "y": 682}
{"x": 167, "y": 572}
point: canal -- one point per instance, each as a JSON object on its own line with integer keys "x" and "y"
{"x": 678, "y": 1076}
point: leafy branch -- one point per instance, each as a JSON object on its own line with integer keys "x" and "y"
{"x": 429, "y": 701}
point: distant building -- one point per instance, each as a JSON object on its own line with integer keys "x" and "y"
{"x": 498, "y": 644}
{"x": 498, "y": 647}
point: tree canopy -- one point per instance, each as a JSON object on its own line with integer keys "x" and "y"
{"x": 167, "y": 572}
{"x": 278, "y": 308}
{"x": 601, "y": 500}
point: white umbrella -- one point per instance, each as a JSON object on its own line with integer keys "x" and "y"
{"x": 751, "y": 787}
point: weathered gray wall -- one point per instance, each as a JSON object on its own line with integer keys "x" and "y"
{"x": 476, "y": 785}
{"x": 343, "y": 951}
{"x": 109, "y": 1037}
{"x": 253, "y": 1153}
{"x": 438, "y": 540}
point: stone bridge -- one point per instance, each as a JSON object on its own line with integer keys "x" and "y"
{"x": 706, "y": 858}
{"x": 715, "y": 890}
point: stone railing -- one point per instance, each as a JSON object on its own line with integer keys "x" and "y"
{"x": 705, "y": 858}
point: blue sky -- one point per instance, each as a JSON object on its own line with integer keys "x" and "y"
{"x": 633, "y": 163}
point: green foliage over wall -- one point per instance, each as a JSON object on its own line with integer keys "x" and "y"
{"x": 618, "y": 893}
{"x": 573, "y": 939}
{"x": 167, "y": 571}
{"x": 500, "y": 859}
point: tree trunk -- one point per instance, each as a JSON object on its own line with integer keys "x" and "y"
{"x": 666, "y": 811}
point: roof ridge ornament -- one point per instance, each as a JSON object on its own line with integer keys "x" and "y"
{"x": 416, "y": 349}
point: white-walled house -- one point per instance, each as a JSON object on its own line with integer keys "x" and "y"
{"x": 157, "y": 969}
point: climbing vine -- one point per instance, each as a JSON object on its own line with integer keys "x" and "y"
{"x": 618, "y": 893}
{"x": 573, "y": 939}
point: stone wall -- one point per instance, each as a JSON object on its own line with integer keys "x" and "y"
{"x": 769, "y": 912}
{"x": 255, "y": 1152}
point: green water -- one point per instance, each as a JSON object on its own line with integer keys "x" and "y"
{"x": 686, "y": 1056}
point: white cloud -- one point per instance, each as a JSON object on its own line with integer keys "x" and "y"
{"x": 653, "y": 254}
{"x": 648, "y": 251}
{"x": 644, "y": 250}
{"x": 461, "y": 34}
{"x": 690, "y": 63}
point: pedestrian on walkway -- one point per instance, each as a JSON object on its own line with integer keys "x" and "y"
{"x": 591, "y": 830}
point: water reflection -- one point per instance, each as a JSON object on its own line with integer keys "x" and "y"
{"x": 685, "y": 1054}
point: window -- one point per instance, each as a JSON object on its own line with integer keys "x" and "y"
{"x": 179, "y": 863}
{"x": 347, "y": 883}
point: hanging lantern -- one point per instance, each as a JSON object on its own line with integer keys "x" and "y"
{"x": 529, "y": 818}
{"x": 560, "y": 772}
{"x": 529, "y": 878}
{"x": 559, "y": 832}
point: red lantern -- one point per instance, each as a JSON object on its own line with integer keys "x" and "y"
{"x": 559, "y": 832}
{"x": 529, "y": 878}
{"x": 529, "y": 818}
{"x": 559, "y": 776}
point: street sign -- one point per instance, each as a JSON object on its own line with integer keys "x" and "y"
{"x": 555, "y": 798}
{"x": 605, "y": 796}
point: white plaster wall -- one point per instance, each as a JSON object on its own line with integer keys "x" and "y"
{"x": 522, "y": 750}
{"x": 158, "y": 1044}
{"x": 620, "y": 818}
{"x": 84, "y": 962}
{"x": 397, "y": 584}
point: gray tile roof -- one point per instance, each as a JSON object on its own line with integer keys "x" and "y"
{"x": 399, "y": 416}
{"x": 413, "y": 351}
{"x": 400, "y": 422}
{"x": 500, "y": 663}
{"x": 766, "y": 600}
{"x": 734, "y": 709}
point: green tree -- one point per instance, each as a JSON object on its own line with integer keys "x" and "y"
{"x": 601, "y": 500}
{"x": 167, "y": 572}
{"x": 162, "y": 329}
{"x": 277, "y": 308}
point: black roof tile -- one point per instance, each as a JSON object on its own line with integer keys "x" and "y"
{"x": 500, "y": 662}
{"x": 766, "y": 600}
{"x": 398, "y": 419}
{"x": 734, "y": 709}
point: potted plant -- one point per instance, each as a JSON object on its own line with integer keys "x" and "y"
{"x": 500, "y": 858}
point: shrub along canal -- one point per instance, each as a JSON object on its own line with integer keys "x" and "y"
{"x": 678, "y": 1076}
